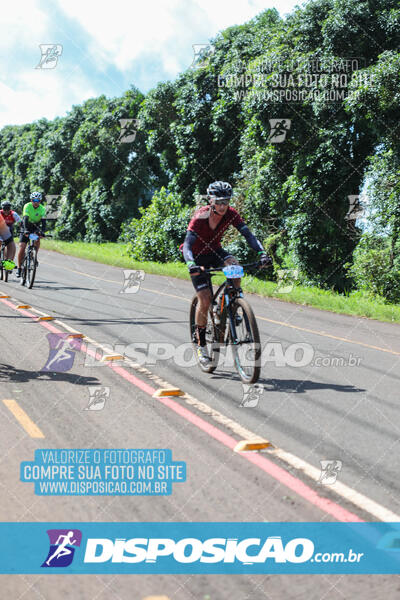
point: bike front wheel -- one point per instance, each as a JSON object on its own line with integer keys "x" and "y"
{"x": 3, "y": 271}
{"x": 31, "y": 267}
{"x": 246, "y": 348}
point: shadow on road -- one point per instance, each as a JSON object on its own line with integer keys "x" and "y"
{"x": 292, "y": 386}
{"x": 10, "y": 373}
{"x": 302, "y": 386}
{"x": 128, "y": 320}
{"x": 65, "y": 287}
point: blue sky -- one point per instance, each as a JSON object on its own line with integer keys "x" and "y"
{"x": 106, "y": 47}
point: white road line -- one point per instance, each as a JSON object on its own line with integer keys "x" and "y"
{"x": 362, "y": 502}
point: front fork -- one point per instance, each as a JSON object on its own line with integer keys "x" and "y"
{"x": 231, "y": 293}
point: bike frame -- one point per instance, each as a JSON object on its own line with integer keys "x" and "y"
{"x": 28, "y": 250}
{"x": 227, "y": 287}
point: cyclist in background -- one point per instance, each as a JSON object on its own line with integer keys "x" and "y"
{"x": 33, "y": 215}
{"x": 10, "y": 217}
{"x": 202, "y": 249}
{"x": 5, "y": 235}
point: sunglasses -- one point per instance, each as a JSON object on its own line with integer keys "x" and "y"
{"x": 223, "y": 201}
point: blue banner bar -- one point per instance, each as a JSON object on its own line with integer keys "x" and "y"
{"x": 193, "y": 548}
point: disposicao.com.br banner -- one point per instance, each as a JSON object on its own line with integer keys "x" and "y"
{"x": 192, "y": 548}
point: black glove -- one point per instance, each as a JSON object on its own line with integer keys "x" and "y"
{"x": 193, "y": 268}
{"x": 265, "y": 260}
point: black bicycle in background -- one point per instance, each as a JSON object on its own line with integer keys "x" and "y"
{"x": 29, "y": 263}
{"x": 231, "y": 325}
{"x": 6, "y": 265}
{"x": 3, "y": 271}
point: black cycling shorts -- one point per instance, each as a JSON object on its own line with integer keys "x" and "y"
{"x": 31, "y": 228}
{"x": 211, "y": 261}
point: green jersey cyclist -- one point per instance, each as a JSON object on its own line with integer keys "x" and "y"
{"x": 202, "y": 249}
{"x": 33, "y": 215}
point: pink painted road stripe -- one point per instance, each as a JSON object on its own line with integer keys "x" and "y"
{"x": 266, "y": 465}
{"x": 147, "y": 389}
{"x": 285, "y": 478}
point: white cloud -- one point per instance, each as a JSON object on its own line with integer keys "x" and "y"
{"x": 17, "y": 20}
{"x": 27, "y": 93}
{"x": 119, "y": 35}
{"x": 145, "y": 42}
{"x": 41, "y": 93}
{"x": 128, "y": 30}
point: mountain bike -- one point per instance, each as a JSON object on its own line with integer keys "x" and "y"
{"x": 231, "y": 325}
{"x": 29, "y": 263}
{"x": 6, "y": 265}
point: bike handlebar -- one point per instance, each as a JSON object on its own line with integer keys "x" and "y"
{"x": 41, "y": 234}
{"x": 249, "y": 265}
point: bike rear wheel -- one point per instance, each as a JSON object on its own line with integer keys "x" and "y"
{"x": 247, "y": 350}
{"x": 31, "y": 267}
{"x": 212, "y": 341}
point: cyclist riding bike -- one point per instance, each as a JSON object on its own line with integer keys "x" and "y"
{"x": 10, "y": 217}
{"x": 5, "y": 235}
{"x": 202, "y": 249}
{"x": 33, "y": 215}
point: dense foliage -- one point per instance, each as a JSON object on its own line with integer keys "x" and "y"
{"x": 213, "y": 122}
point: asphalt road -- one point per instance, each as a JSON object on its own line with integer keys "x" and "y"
{"x": 342, "y": 406}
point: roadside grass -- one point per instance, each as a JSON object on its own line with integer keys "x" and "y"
{"x": 356, "y": 303}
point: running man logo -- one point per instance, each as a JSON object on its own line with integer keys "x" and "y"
{"x": 279, "y": 129}
{"x": 132, "y": 281}
{"x": 98, "y": 395}
{"x": 357, "y": 204}
{"x": 251, "y": 395}
{"x": 202, "y": 54}
{"x": 62, "y": 547}
{"x": 329, "y": 471}
{"x": 61, "y": 352}
{"x": 286, "y": 278}
{"x": 128, "y": 131}
{"x": 50, "y": 55}
{"x": 53, "y": 205}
